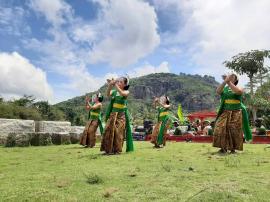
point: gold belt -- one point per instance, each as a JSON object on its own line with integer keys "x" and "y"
{"x": 94, "y": 114}
{"x": 232, "y": 101}
{"x": 119, "y": 106}
{"x": 163, "y": 114}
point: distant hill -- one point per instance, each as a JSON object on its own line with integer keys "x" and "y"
{"x": 194, "y": 92}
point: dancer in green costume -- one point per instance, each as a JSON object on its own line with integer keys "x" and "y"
{"x": 232, "y": 119}
{"x": 117, "y": 118}
{"x": 88, "y": 138}
{"x": 158, "y": 136}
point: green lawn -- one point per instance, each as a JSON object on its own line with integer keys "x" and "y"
{"x": 179, "y": 172}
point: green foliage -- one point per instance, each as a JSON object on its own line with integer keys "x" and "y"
{"x": 40, "y": 139}
{"x": 12, "y": 111}
{"x": 26, "y": 100}
{"x": 266, "y": 120}
{"x": 26, "y": 108}
{"x": 11, "y": 140}
{"x": 22, "y": 140}
{"x": 93, "y": 178}
{"x": 249, "y": 63}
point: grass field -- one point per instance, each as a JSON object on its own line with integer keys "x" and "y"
{"x": 179, "y": 172}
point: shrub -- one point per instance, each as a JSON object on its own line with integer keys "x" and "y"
{"x": 22, "y": 140}
{"x": 65, "y": 139}
{"x": 56, "y": 138}
{"x": 45, "y": 139}
{"x": 3, "y": 139}
{"x": 34, "y": 141}
{"x": 11, "y": 140}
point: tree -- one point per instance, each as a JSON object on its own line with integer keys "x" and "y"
{"x": 25, "y": 101}
{"x": 43, "y": 107}
{"x": 261, "y": 77}
{"x": 249, "y": 63}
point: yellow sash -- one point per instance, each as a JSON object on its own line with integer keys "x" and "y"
{"x": 119, "y": 106}
{"x": 94, "y": 114}
{"x": 163, "y": 114}
{"x": 232, "y": 101}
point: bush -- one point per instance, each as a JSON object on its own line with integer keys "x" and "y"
{"x": 65, "y": 139}
{"x": 45, "y": 139}
{"x": 56, "y": 138}
{"x": 22, "y": 140}
{"x": 93, "y": 179}
{"x": 34, "y": 141}
{"x": 3, "y": 139}
{"x": 11, "y": 140}
{"x": 41, "y": 139}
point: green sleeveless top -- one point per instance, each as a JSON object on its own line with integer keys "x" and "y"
{"x": 232, "y": 101}
{"x": 94, "y": 113}
{"x": 162, "y": 113}
{"x": 120, "y": 102}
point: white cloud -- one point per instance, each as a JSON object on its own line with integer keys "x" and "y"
{"x": 217, "y": 30}
{"x": 18, "y": 77}
{"x": 84, "y": 33}
{"x": 149, "y": 69}
{"x": 123, "y": 33}
{"x": 56, "y": 12}
{"x": 128, "y": 30}
{"x": 12, "y": 21}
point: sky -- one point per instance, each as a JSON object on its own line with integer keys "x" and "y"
{"x": 59, "y": 49}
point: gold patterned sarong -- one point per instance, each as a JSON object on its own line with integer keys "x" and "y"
{"x": 228, "y": 133}
{"x": 89, "y": 134}
{"x": 113, "y": 137}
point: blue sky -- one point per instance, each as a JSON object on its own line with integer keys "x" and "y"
{"x": 59, "y": 49}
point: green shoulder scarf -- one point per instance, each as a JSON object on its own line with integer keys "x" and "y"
{"x": 245, "y": 120}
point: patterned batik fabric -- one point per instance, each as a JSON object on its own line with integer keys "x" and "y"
{"x": 89, "y": 134}
{"x": 113, "y": 137}
{"x": 228, "y": 133}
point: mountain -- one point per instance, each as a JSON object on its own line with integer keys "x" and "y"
{"x": 194, "y": 92}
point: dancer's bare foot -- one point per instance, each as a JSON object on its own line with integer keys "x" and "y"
{"x": 222, "y": 151}
{"x": 233, "y": 152}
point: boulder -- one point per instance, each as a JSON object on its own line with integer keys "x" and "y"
{"x": 40, "y": 139}
{"x": 53, "y": 126}
{"x": 60, "y": 138}
{"x": 16, "y": 125}
{"x": 77, "y": 129}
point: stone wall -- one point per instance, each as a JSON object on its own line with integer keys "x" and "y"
{"x": 77, "y": 129}
{"x": 53, "y": 126}
{"x": 40, "y": 132}
{"x": 16, "y": 125}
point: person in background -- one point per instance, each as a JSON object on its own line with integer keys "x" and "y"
{"x": 206, "y": 127}
{"x": 88, "y": 138}
{"x": 260, "y": 129}
{"x": 211, "y": 130}
{"x": 158, "y": 136}
{"x": 177, "y": 130}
